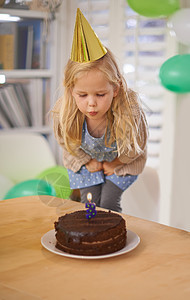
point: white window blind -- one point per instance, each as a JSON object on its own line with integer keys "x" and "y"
{"x": 139, "y": 44}
{"x": 97, "y": 14}
{"x": 144, "y": 52}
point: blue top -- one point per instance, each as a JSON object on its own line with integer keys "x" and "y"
{"x": 96, "y": 148}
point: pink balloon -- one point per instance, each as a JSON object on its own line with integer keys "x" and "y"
{"x": 179, "y": 22}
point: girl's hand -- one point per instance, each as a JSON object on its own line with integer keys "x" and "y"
{"x": 109, "y": 167}
{"x": 94, "y": 166}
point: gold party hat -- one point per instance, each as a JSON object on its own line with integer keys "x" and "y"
{"x": 86, "y": 45}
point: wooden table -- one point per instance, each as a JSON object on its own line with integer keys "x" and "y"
{"x": 159, "y": 268}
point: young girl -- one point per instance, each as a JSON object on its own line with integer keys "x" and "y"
{"x": 99, "y": 122}
{"x": 102, "y": 130}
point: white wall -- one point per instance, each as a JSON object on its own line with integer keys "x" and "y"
{"x": 180, "y": 196}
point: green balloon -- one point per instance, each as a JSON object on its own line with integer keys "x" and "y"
{"x": 58, "y": 177}
{"x": 30, "y": 188}
{"x": 154, "y": 8}
{"x": 175, "y": 73}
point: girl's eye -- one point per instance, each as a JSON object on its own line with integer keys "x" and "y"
{"x": 100, "y": 95}
{"x": 82, "y": 96}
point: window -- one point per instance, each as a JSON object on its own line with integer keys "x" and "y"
{"x": 144, "y": 52}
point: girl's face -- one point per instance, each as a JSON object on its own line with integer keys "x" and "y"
{"x": 93, "y": 94}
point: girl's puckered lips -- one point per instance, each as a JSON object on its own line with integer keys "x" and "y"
{"x": 92, "y": 113}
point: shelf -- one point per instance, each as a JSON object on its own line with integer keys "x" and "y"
{"x": 41, "y": 130}
{"x": 24, "y": 13}
{"x": 37, "y": 73}
{"x": 40, "y": 91}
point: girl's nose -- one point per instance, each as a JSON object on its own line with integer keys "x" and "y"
{"x": 92, "y": 101}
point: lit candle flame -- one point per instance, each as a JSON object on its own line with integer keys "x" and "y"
{"x": 89, "y": 197}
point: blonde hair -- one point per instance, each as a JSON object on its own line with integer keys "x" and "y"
{"x": 122, "y": 123}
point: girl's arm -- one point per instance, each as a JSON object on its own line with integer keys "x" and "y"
{"x": 133, "y": 162}
{"x": 134, "y": 167}
{"x": 109, "y": 166}
{"x": 94, "y": 166}
{"x": 70, "y": 161}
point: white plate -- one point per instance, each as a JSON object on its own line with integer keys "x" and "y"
{"x": 48, "y": 241}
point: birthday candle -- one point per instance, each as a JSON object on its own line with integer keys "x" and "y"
{"x": 91, "y": 207}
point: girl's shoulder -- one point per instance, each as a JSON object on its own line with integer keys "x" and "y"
{"x": 135, "y": 103}
{"x": 133, "y": 97}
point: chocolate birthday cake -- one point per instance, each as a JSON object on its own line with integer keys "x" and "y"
{"x": 103, "y": 234}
